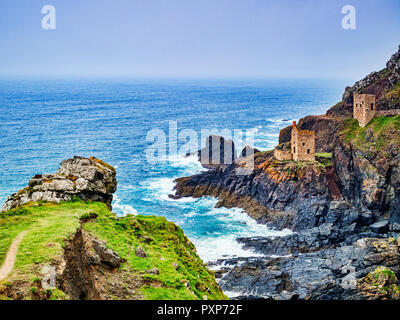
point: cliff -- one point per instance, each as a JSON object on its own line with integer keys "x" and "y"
{"x": 78, "y": 249}
{"x": 341, "y": 207}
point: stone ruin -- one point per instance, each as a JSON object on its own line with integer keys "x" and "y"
{"x": 301, "y": 148}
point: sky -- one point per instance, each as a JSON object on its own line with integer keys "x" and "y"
{"x": 197, "y": 38}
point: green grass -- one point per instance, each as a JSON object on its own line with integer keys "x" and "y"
{"x": 324, "y": 159}
{"x": 327, "y": 155}
{"x": 168, "y": 245}
{"x": 385, "y": 132}
{"x": 49, "y": 225}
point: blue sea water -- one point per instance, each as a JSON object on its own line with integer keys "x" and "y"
{"x": 45, "y": 122}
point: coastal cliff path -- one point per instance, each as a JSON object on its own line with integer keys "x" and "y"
{"x": 8, "y": 264}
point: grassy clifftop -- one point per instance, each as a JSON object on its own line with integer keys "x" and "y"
{"x": 170, "y": 270}
{"x": 380, "y": 135}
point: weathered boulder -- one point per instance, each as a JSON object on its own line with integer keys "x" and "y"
{"x": 107, "y": 256}
{"x": 140, "y": 252}
{"x": 87, "y": 178}
{"x": 380, "y": 226}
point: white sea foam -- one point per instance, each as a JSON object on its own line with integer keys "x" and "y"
{"x": 123, "y": 209}
{"x": 161, "y": 188}
{"x": 215, "y": 246}
{"x": 190, "y": 164}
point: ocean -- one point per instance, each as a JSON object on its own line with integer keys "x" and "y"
{"x": 43, "y": 122}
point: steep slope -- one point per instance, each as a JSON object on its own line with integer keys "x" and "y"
{"x": 97, "y": 255}
{"x": 80, "y": 249}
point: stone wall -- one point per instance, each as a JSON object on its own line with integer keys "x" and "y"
{"x": 282, "y": 155}
{"x": 303, "y": 144}
{"x": 364, "y": 108}
{"x": 386, "y": 113}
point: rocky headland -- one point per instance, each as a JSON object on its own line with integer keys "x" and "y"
{"x": 86, "y": 178}
{"x": 59, "y": 240}
{"x": 343, "y": 208}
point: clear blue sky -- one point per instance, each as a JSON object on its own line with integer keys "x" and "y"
{"x": 197, "y": 38}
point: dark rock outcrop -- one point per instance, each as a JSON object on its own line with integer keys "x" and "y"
{"x": 218, "y": 151}
{"x": 87, "y": 270}
{"x": 335, "y": 273}
{"x": 86, "y": 178}
{"x": 248, "y": 151}
{"x": 277, "y": 193}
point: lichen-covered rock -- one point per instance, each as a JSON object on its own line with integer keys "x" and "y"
{"x": 87, "y": 178}
{"x": 381, "y": 284}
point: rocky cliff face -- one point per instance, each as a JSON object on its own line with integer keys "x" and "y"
{"x": 364, "y": 270}
{"x": 280, "y": 193}
{"x": 86, "y": 178}
{"x": 369, "y": 174}
{"x": 343, "y": 212}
